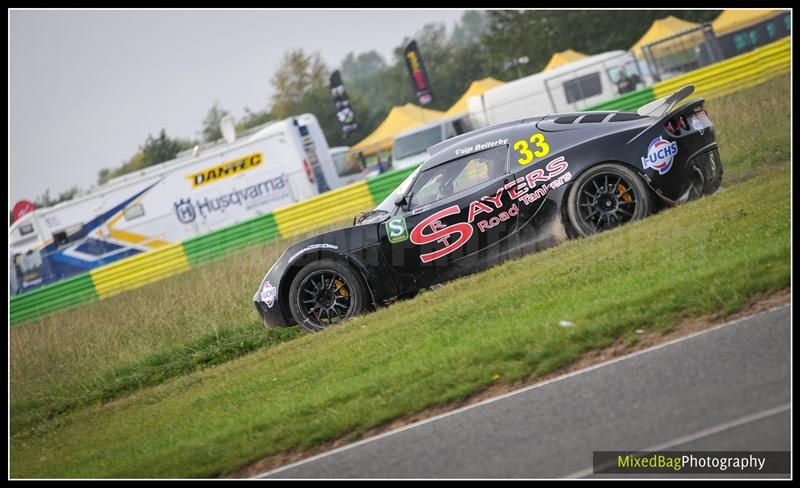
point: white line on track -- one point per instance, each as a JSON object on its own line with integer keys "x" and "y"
{"x": 701, "y": 434}
{"x": 523, "y": 390}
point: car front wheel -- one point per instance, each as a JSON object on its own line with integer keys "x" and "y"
{"x": 325, "y": 293}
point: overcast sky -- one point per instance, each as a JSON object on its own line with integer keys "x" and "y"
{"x": 87, "y": 87}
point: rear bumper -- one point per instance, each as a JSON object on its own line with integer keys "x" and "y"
{"x": 707, "y": 166}
{"x": 697, "y": 175}
{"x": 702, "y": 174}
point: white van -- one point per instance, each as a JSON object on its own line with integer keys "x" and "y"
{"x": 410, "y": 148}
{"x": 202, "y": 190}
{"x": 568, "y": 88}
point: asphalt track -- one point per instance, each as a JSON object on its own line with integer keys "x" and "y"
{"x": 725, "y": 389}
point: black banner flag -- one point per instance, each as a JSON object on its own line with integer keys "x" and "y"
{"x": 419, "y": 77}
{"x": 344, "y": 112}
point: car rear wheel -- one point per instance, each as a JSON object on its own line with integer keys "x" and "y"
{"x": 606, "y": 196}
{"x": 326, "y": 293}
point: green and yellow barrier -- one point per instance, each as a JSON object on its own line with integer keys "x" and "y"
{"x": 627, "y": 102}
{"x": 67, "y": 293}
{"x": 215, "y": 245}
{"x": 139, "y": 270}
{"x": 323, "y": 209}
{"x": 383, "y": 185}
{"x": 733, "y": 74}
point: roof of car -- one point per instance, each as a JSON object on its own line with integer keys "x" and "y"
{"x": 471, "y": 142}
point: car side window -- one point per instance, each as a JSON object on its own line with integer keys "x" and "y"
{"x": 458, "y": 175}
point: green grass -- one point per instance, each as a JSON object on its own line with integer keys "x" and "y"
{"x": 105, "y": 348}
{"x": 208, "y": 350}
{"x": 753, "y": 128}
{"x": 706, "y": 257}
{"x": 136, "y": 385}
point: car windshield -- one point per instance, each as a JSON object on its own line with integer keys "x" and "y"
{"x": 458, "y": 175}
{"x": 416, "y": 143}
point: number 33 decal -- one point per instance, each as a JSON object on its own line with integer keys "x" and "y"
{"x": 542, "y": 149}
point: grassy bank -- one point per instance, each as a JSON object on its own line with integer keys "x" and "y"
{"x": 139, "y": 338}
{"x": 707, "y": 257}
{"x": 753, "y": 128}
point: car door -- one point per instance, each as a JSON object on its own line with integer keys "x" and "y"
{"x": 539, "y": 167}
{"x": 457, "y": 219}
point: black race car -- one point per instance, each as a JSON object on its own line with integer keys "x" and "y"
{"x": 497, "y": 193}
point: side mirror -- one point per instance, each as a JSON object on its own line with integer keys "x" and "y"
{"x": 403, "y": 201}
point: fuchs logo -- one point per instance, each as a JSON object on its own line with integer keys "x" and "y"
{"x": 268, "y": 294}
{"x": 396, "y": 230}
{"x": 185, "y": 211}
{"x": 660, "y": 155}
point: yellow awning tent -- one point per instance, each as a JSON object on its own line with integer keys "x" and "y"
{"x": 476, "y": 88}
{"x": 562, "y": 58}
{"x": 733, "y": 20}
{"x": 662, "y": 28}
{"x": 400, "y": 119}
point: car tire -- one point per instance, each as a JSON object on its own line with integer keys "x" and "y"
{"x": 325, "y": 293}
{"x": 605, "y": 196}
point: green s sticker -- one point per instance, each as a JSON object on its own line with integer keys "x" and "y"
{"x": 396, "y": 230}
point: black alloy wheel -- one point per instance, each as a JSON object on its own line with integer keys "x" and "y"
{"x": 325, "y": 293}
{"x": 606, "y": 196}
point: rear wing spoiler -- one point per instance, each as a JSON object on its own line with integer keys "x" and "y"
{"x": 664, "y": 105}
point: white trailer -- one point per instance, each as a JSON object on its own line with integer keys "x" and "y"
{"x": 202, "y": 190}
{"x": 568, "y": 88}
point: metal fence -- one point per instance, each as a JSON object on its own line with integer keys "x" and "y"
{"x": 735, "y": 73}
{"x": 682, "y": 52}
